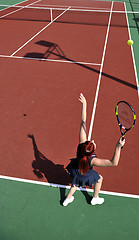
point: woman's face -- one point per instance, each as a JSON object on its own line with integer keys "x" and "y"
{"x": 94, "y": 144}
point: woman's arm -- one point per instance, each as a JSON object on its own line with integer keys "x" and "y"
{"x": 115, "y": 159}
{"x": 82, "y": 133}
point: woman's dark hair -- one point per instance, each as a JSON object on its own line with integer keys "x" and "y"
{"x": 87, "y": 149}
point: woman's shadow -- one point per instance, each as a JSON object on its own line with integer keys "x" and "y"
{"x": 43, "y": 167}
{"x": 54, "y": 173}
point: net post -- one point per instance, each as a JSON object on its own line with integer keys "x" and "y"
{"x": 51, "y": 13}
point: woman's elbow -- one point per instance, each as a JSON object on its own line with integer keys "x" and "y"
{"x": 114, "y": 164}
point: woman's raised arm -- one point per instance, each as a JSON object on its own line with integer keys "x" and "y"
{"x": 82, "y": 133}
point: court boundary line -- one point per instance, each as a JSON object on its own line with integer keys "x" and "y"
{"x": 38, "y": 33}
{"x": 67, "y": 187}
{"x": 100, "y": 1}
{"x": 8, "y": 6}
{"x": 55, "y": 6}
{"x": 99, "y": 10}
{"x": 63, "y": 186}
{"x": 100, "y": 75}
{"x": 133, "y": 58}
{"x": 17, "y": 9}
{"x": 50, "y": 60}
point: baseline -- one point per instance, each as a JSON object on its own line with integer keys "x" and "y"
{"x": 67, "y": 187}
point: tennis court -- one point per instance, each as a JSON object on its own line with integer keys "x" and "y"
{"x": 50, "y": 51}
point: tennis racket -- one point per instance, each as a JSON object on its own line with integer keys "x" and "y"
{"x": 126, "y": 117}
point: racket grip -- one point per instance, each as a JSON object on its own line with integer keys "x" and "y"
{"x": 122, "y": 140}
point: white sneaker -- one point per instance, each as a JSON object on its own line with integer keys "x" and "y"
{"x": 67, "y": 201}
{"x": 97, "y": 200}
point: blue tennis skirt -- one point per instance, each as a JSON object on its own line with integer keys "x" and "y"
{"x": 81, "y": 180}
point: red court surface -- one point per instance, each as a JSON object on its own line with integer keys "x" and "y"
{"x": 41, "y": 97}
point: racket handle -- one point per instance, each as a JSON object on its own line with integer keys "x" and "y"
{"x": 122, "y": 140}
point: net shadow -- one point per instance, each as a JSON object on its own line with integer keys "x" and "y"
{"x": 71, "y": 16}
{"x": 53, "y": 49}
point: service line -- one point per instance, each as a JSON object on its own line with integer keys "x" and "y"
{"x": 51, "y": 60}
{"x": 39, "y": 32}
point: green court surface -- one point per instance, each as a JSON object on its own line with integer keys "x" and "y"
{"x": 29, "y": 211}
{"x": 34, "y": 212}
{"x": 10, "y": 2}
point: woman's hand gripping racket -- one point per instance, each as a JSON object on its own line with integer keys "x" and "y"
{"x": 126, "y": 117}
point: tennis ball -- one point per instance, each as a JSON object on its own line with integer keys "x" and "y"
{"x": 130, "y": 42}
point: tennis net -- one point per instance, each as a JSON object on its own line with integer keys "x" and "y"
{"x": 69, "y": 15}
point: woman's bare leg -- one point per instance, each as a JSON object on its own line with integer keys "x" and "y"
{"x": 97, "y": 186}
{"x": 71, "y": 191}
{"x": 96, "y": 199}
{"x": 70, "y": 198}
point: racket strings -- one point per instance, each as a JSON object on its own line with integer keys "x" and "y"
{"x": 126, "y": 115}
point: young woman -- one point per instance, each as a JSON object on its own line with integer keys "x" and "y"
{"x": 81, "y": 168}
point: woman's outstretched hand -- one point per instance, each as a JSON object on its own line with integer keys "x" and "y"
{"x": 82, "y": 99}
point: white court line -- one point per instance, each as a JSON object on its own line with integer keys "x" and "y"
{"x": 13, "y": 4}
{"x": 63, "y": 186}
{"x": 17, "y": 9}
{"x": 55, "y": 6}
{"x": 66, "y": 187}
{"x": 6, "y": 7}
{"x": 22, "y": 2}
{"x": 51, "y": 60}
{"x": 7, "y": 14}
{"x": 136, "y": 76}
{"x": 99, "y": 79}
{"x": 71, "y": 9}
{"x": 38, "y": 33}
